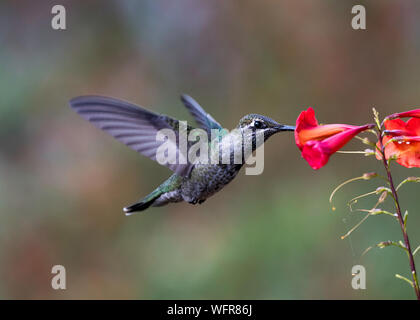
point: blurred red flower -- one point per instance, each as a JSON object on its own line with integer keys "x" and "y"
{"x": 407, "y": 114}
{"x": 405, "y": 146}
{"x": 319, "y": 142}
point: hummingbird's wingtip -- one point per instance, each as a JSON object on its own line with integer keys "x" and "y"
{"x": 72, "y": 102}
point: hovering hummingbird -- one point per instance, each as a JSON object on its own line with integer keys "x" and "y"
{"x": 137, "y": 128}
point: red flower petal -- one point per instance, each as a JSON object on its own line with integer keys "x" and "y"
{"x": 316, "y": 154}
{"x": 406, "y": 148}
{"x": 307, "y": 128}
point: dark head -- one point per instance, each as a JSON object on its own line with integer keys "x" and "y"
{"x": 253, "y": 125}
{"x": 258, "y": 122}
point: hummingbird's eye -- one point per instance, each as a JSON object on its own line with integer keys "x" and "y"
{"x": 258, "y": 124}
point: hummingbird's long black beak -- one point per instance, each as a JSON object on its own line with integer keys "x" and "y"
{"x": 282, "y": 127}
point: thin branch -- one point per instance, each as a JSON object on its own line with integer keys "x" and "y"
{"x": 415, "y": 283}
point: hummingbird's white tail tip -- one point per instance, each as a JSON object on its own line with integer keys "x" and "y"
{"x": 127, "y": 211}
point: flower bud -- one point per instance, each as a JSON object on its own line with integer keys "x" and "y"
{"x": 369, "y": 152}
{"x": 369, "y": 175}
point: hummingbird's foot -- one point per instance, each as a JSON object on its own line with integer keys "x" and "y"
{"x": 195, "y": 201}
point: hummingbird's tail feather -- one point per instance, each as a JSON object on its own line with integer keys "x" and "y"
{"x": 142, "y": 204}
{"x": 167, "y": 192}
{"x": 139, "y": 206}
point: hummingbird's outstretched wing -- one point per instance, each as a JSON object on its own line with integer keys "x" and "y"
{"x": 204, "y": 120}
{"x": 134, "y": 126}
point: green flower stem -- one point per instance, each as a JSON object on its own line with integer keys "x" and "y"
{"x": 399, "y": 215}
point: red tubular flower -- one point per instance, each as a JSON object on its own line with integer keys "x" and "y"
{"x": 407, "y": 114}
{"x": 405, "y": 146}
{"x": 319, "y": 142}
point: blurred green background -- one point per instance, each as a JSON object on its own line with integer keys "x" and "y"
{"x": 63, "y": 183}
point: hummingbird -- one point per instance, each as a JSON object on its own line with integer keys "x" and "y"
{"x": 192, "y": 182}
